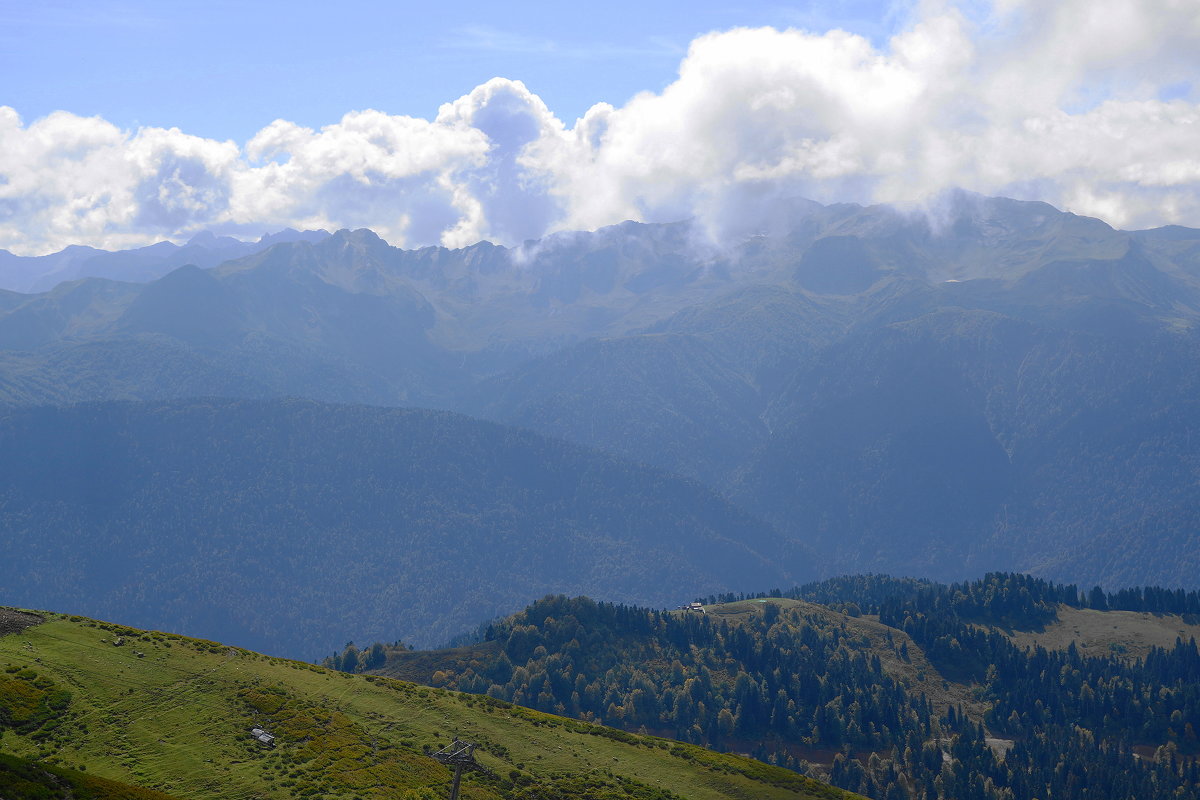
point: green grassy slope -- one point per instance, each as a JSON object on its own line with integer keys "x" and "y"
{"x": 1130, "y": 634}
{"x": 27, "y": 780}
{"x": 172, "y": 714}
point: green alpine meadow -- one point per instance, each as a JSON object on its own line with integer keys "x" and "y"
{"x": 92, "y": 709}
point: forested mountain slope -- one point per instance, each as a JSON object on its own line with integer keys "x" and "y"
{"x": 892, "y": 688}
{"x": 964, "y": 440}
{"x": 289, "y": 524}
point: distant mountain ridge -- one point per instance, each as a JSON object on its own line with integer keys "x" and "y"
{"x": 988, "y": 384}
{"x": 31, "y": 274}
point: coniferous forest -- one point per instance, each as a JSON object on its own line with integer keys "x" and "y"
{"x": 890, "y": 688}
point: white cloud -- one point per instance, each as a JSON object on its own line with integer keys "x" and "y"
{"x": 1052, "y": 98}
{"x": 394, "y": 174}
{"x": 1085, "y": 104}
{"x": 66, "y": 179}
{"x": 508, "y": 202}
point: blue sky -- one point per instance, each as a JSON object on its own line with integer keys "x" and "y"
{"x": 224, "y": 70}
{"x": 125, "y": 122}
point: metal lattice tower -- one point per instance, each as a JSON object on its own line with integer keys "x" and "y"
{"x": 460, "y": 756}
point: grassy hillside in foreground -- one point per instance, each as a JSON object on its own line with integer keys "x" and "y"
{"x": 24, "y": 779}
{"x": 172, "y": 714}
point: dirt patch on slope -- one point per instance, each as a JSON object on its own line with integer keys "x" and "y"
{"x": 13, "y": 621}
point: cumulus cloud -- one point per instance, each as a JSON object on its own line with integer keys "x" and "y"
{"x": 391, "y": 173}
{"x": 509, "y": 203}
{"x": 1088, "y": 105}
{"x": 1056, "y": 101}
{"x": 68, "y": 179}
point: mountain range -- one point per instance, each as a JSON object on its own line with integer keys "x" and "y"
{"x": 985, "y": 384}
{"x": 205, "y": 249}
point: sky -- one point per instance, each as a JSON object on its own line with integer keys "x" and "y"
{"x": 125, "y": 123}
